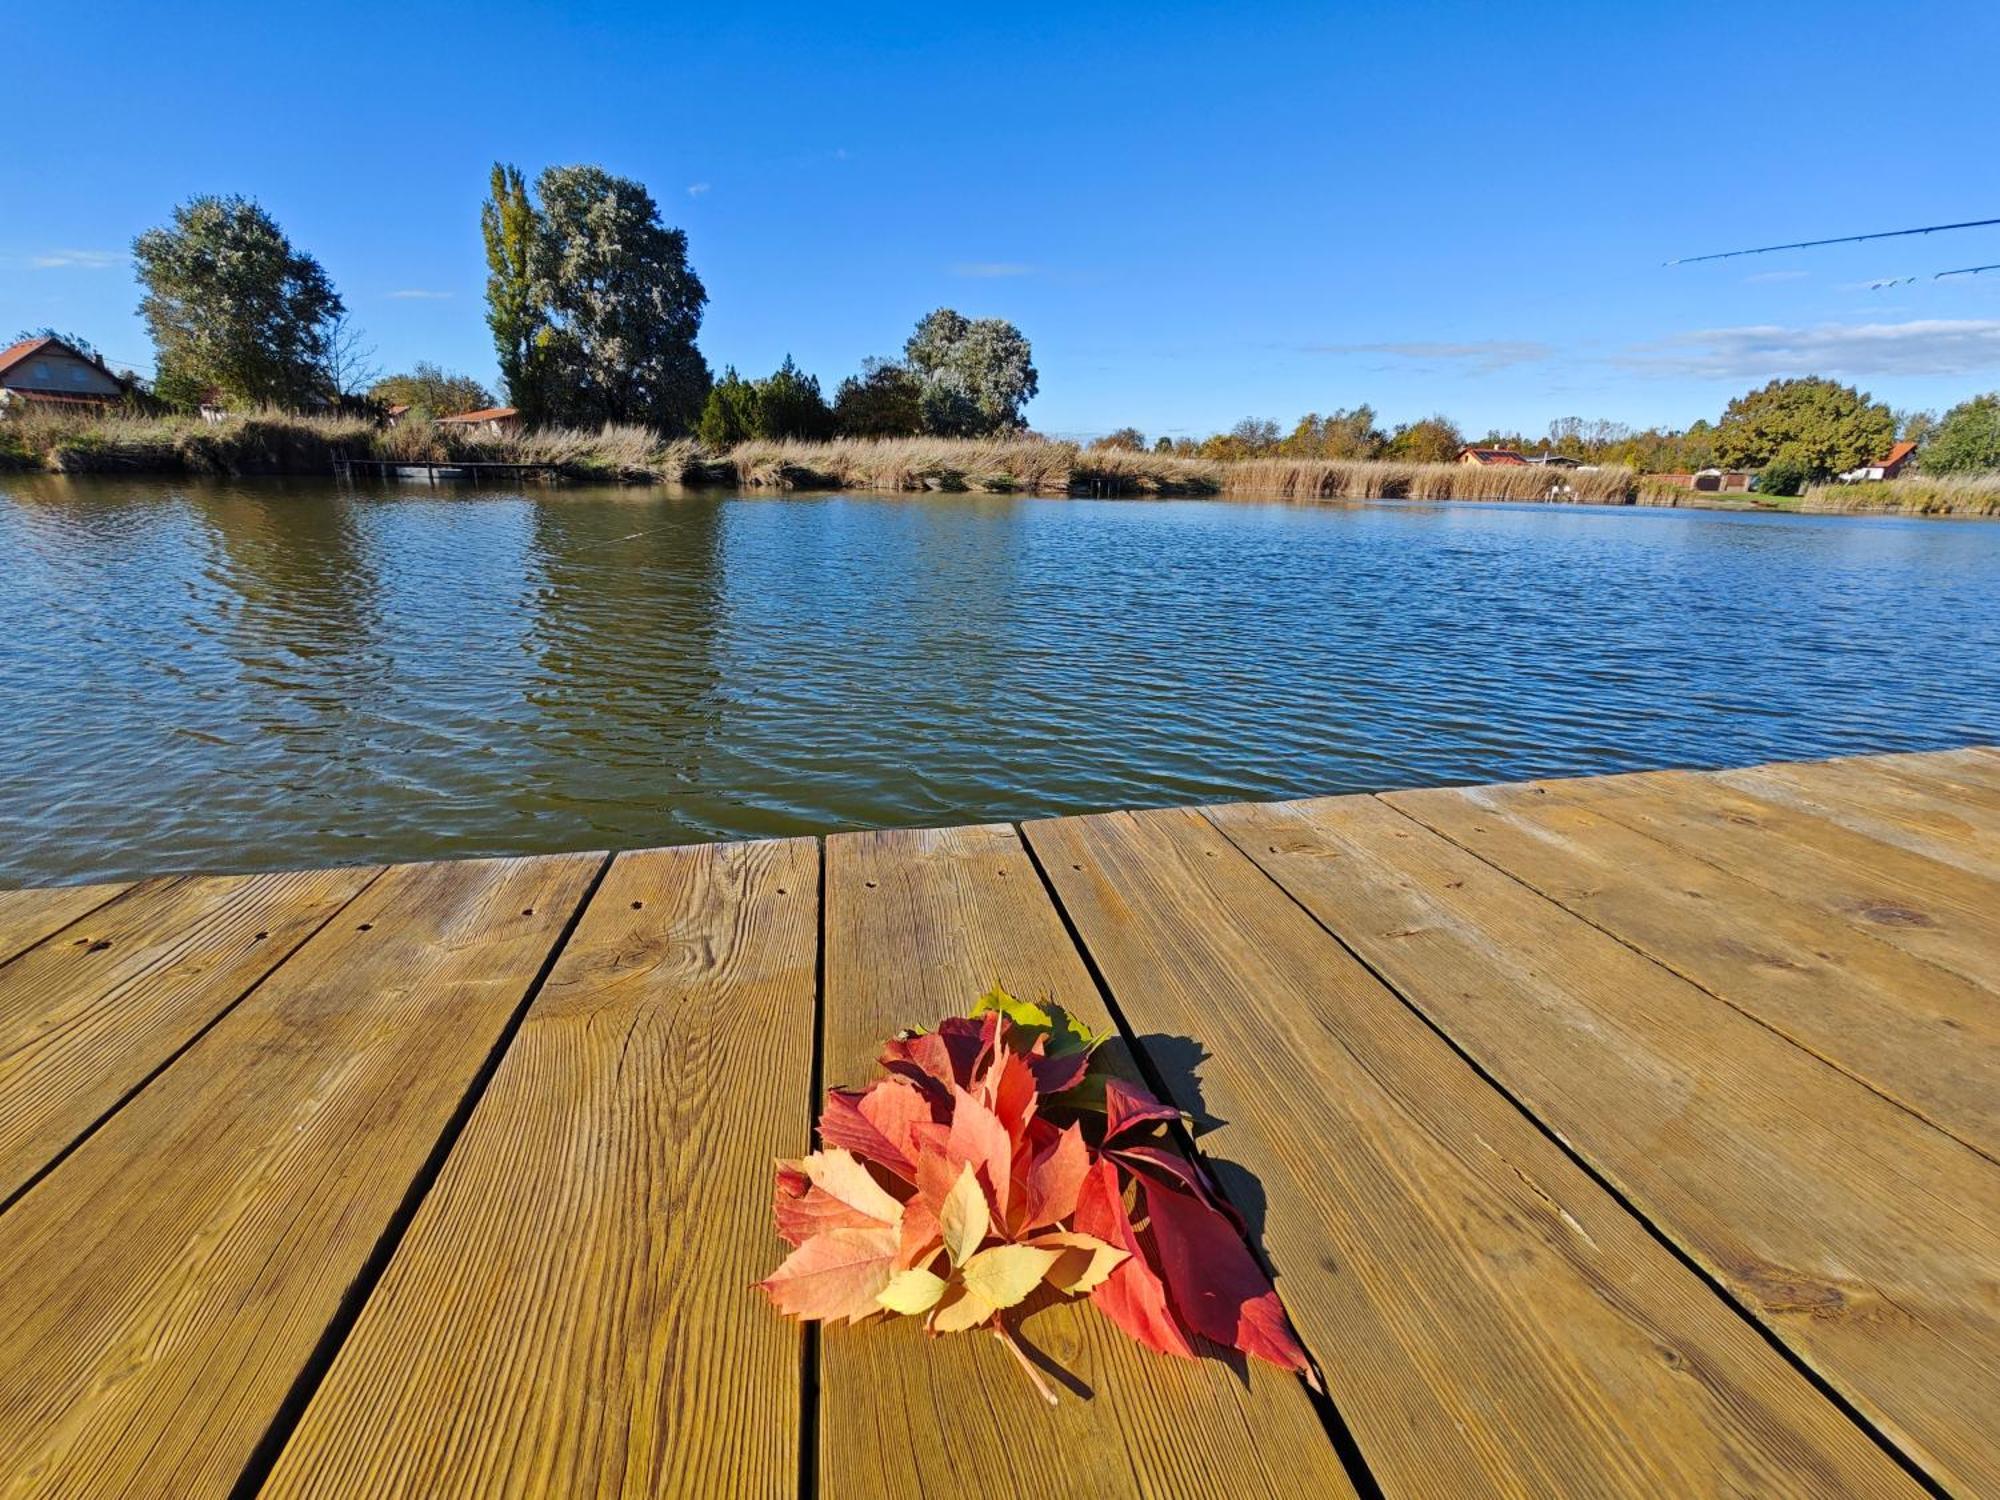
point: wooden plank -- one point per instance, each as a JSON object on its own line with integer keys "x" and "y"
{"x": 84, "y": 1020}
{"x": 163, "y": 1288}
{"x": 1860, "y": 1236}
{"x": 1883, "y": 808}
{"x": 1924, "y": 906}
{"x": 919, "y": 925}
{"x": 569, "y": 1310}
{"x": 27, "y": 917}
{"x": 1489, "y": 1320}
{"x": 1920, "y": 1034}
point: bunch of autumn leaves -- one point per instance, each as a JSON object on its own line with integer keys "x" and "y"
{"x": 997, "y": 1156}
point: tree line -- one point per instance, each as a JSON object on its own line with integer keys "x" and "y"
{"x": 1795, "y": 432}
{"x": 594, "y": 311}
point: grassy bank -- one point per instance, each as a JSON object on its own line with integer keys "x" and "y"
{"x": 277, "y": 443}
{"x": 1972, "y": 495}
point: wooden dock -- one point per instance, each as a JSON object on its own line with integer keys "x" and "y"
{"x": 1637, "y": 1135}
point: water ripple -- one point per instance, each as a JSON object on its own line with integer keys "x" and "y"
{"x": 281, "y": 674}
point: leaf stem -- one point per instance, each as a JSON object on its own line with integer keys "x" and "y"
{"x": 1000, "y": 1332}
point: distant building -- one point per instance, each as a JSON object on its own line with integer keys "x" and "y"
{"x": 1555, "y": 461}
{"x": 392, "y": 416}
{"x": 494, "y": 419}
{"x": 1712, "y": 481}
{"x": 1492, "y": 458}
{"x": 1897, "y": 459}
{"x": 48, "y": 372}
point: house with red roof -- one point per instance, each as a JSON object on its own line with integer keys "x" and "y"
{"x": 47, "y": 371}
{"x": 1492, "y": 458}
{"x": 494, "y": 419}
{"x": 1889, "y": 466}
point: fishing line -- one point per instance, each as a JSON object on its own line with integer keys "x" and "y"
{"x": 1844, "y": 239}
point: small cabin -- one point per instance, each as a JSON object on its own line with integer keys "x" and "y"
{"x": 50, "y": 372}
{"x": 1492, "y": 458}
{"x": 492, "y": 419}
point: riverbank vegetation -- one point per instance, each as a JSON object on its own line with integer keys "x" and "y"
{"x": 1924, "y": 495}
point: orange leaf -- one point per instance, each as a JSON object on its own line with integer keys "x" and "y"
{"x": 838, "y": 1274}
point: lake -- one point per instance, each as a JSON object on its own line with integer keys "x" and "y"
{"x": 281, "y": 674}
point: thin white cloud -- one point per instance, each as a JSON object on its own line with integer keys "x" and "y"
{"x": 418, "y": 294}
{"x": 1482, "y": 354}
{"x": 696, "y": 189}
{"x": 992, "y": 268}
{"x": 1929, "y": 346}
{"x": 86, "y": 260}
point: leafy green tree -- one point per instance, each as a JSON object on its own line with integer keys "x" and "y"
{"x": 1122, "y": 440}
{"x": 1432, "y": 440}
{"x": 1967, "y": 440}
{"x": 789, "y": 405}
{"x": 620, "y": 304}
{"x": 1819, "y": 424}
{"x": 231, "y": 305}
{"x": 512, "y": 229}
{"x": 1783, "y": 476}
{"x": 1344, "y": 434}
{"x": 433, "y": 390}
{"x": 884, "y": 401}
{"x": 975, "y": 376}
{"x": 730, "y": 415}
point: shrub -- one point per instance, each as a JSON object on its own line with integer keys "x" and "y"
{"x": 1783, "y": 476}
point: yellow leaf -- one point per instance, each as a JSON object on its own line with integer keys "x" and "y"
{"x": 964, "y": 1217}
{"x": 911, "y": 1292}
{"x": 1083, "y": 1261}
{"x": 961, "y": 1309}
{"x": 1006, "y": 1273}
{"x": 841, "y": 1175}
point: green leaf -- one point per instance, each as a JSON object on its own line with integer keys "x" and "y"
{"x": 1065, "y": 1033}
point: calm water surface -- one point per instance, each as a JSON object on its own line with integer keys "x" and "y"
{"x": 249, "y": 676}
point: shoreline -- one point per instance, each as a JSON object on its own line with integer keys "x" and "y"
{"x": 281, "y": 446}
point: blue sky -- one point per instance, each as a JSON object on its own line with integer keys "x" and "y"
{"x": 1196, "y": 213}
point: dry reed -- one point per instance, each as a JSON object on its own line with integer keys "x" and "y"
{"x": 1966, "y": 495}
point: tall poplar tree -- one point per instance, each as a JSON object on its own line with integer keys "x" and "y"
{"x": 511, "y": 228}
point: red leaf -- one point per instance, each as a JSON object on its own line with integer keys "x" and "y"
{"x": 1168, "y": 1168}
{"x": 1127, "y": 1107}
{"x": 980, "y": 1141}
{"x": 1218, "y": 1288}
{"x": 845, "y": 1123}
{"x": 922, "y": 1236}
{"x": 1056, "y": 1179}
{"x": 1057, "y": 1075}
{"x": 1133, "y": 1296}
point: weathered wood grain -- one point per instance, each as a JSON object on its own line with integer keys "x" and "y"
{"x": 85, "y": 1018}
{"x": 919, "y": 925}
{"x": 570, "y": 1312}
{"x": 1924, "y": 906}
{"x": 27, "y": 917}
{"x": 1923, "y": 1035}
{"x": 163, "y": 1288}
{"x": 1882, "y": 806}
{"x": 1860, "y": 1236}
{"x": 1489, "y": 1320}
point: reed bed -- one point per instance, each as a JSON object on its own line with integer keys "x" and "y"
{"x": 987, "y": 466}
{"x": 1969, "y": 495}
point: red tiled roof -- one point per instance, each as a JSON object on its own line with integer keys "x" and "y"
{"x": 14, "y": 354}
{"x": 484, "y": 414}
{"x": 1897, "y": 454}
